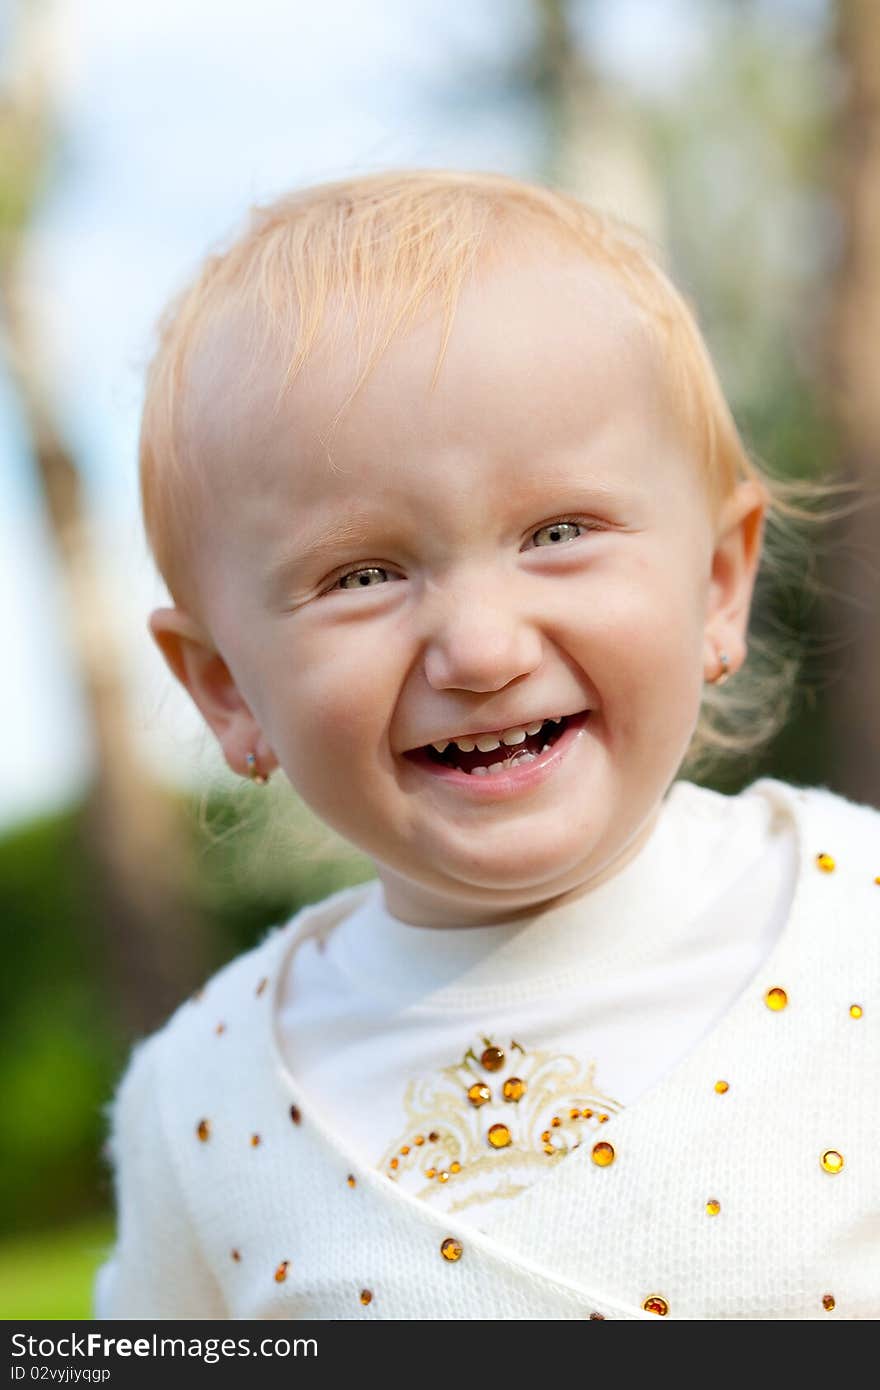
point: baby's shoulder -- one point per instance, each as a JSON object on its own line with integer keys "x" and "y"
{"x": 817, "y": 805}
{"x": 214, "y": 1032}
{"x": 161, "y": 1063}
{"x": 839, "y": 853}
{"x": 206, "y": 1012}
{"x": 768, "y": 803}
{"x": 857, "y": 821}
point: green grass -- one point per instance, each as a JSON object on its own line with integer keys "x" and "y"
{"x": 50, "y": 1275}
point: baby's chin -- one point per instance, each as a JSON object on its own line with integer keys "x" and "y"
{"x": 522, "y": 869}
{"x": 488, "y": 888}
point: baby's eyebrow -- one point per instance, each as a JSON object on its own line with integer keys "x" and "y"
{"x": 300, "y": 555}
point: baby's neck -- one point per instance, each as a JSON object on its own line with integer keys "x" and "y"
{"x": 422, "y": 905}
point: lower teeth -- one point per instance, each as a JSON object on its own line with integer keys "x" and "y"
{"x": 524, "y": 757}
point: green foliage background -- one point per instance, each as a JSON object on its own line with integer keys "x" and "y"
{"x": 63, "y": 1047}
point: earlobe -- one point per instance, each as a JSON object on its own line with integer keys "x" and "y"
{"x": 195, "y": 662}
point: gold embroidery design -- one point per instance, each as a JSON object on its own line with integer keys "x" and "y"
{"x": 480, "y": 1129}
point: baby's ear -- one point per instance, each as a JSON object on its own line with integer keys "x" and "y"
{"x": 737, "y": 556}
{"x": 735, "y": 561}
{"x": 195, "y": 662}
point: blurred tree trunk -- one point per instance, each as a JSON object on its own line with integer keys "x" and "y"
{"x": 593, "y": 146}
{"x": 854, "y": 371}
{"x": 561, "y": 83}
{"x": 145, "y": 943}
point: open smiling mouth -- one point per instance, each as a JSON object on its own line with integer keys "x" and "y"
{"x": 503, "y": 757}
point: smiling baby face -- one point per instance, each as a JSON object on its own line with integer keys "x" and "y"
{"x": 529, "y": 539}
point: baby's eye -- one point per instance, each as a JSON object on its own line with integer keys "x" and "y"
{"x": 363, "y": 579}
{"x": 559, "y": 531}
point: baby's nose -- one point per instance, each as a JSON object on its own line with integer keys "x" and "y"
{"x": 480, "y": 642}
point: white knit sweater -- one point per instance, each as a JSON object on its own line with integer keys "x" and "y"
{"x": 234, "y": 1202}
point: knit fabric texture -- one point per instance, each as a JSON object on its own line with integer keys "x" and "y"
{"x": 720, "y": 1200}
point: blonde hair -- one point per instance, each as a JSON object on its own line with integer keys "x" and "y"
{"x": 393, "y": 245}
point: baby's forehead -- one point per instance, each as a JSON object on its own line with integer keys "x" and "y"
{"x": 531, "y": 344}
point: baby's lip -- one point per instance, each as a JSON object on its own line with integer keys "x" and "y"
{"x": 498, "y": 728}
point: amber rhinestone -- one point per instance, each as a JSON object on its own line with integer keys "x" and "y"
{"x": 574, "y": 1114}
{"x": 776, "y": 999}
{"x": 236, "y": 1255}
{"x": 451, "y": 1249}
{"x": 855, "y": 1010}
{"x": 722, "y": 1086}
{"x": 825, "y": 863}
{"x": 587, "y": 1114}
{"x": 713, "y": 1206}
{"x": 405, "y": 1150}
{"x": 443, "y": 1177}
{"x": 479, "y": 1094}
{"x": 262, "y": 985}
{"x": 602, "y": 1119}
{"x": 549, "y": 1149}
{"x": 877, "y": 880}
{"x": 351, "y": 1180}
{"x": 295, "y": 1114}
{"x": 828, "y": 1302}
{"x": 492, "y": 1059}
{"x": 602, "y": 1154}
{"x": 546, "y": 1136}
{"x": 203, "y": 1130}
{"x": 430, "y": 1172}
{"x": 366, "y": 1297}
{"x": 433, "y": 1136}
{"x": 255, "y": 1140}
{"x": 499, "y": 1136}
{"x": 419, "y": 1140}
{"x": 555, "y": 1122}
{"x": 655, "y": 1304}
{"x": 832, "y": 1161}
{"x": 455, "y": 1167}
{"x": 395, "y": 1163}
{"x": 514, "y": 1088}
{"x": 281, "y": 1272}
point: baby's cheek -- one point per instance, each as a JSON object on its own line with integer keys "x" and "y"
{"x": 644, "y": 662}
{"x": 346, "y": 722}
{"x": 338, "y": 707}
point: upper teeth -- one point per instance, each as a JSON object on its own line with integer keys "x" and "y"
{"x": 486, "y": 742}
